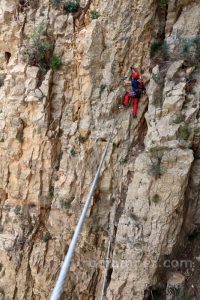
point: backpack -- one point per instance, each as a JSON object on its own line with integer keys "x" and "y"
{"x": 138, "y": 88}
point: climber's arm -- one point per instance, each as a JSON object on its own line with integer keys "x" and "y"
{"x": 127, "y": 82}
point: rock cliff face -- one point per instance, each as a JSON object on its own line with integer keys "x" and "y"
{"x": 54, "y": 125}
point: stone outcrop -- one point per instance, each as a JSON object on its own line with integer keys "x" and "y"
{"x": 54, "y": 125}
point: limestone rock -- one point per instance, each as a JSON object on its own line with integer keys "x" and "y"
{"x": 54, "y": 126}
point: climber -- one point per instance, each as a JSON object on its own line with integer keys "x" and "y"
{"x": 137, "y": 90}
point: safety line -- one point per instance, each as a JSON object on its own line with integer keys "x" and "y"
{"x": 57, "y": 291}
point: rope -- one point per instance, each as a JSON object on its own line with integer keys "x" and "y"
{"x": 57, "y": 291}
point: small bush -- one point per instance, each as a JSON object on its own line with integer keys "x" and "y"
{"x": 55, "y": 63}
{"x": 71, "y": 6}
{"x": 115, "y": 145}
{"x": 190, "y": 50}
{"x": 155, "y": 47}
{"x": 20, "y": 135}
{"x": 123, "y": 160}
{"x": 177, "y": 118}
{"x": 73, "y": 152}
{"x": 156, "y": 152}
{"x": 164, "y": 2}
{"x": 184, "y": 132}
{"x": 101, "y": 89}
{"x": 46, "y": 237}
{"x": 94, "y": 14}
{"x": 156, "y": 198}
{"x": 118, "y": 252}
{"x": 160, "y": 47}
{"x": 51, "y": 193}
{"x": 155, "y": 169}
{"x": 56, "y": 2}
{"x": 156, "y": 77}
{"x": 56, "y": 167}
{"x": 189, "y": 43}
{"x": 17, "y": 210}
{"x": 65, "y": 204}
{"x": 82, "y": 139}
{"x": 97, "y": 228}
{"x": 39, "y": 49}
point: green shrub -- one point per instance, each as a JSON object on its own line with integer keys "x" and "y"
{"x": 164, "y": 2}
{"x": 101, "y": 89}
{"x": 97, "y": 228}
{"x": 82, "y": 139}
{"x": 20, "y": 135}
{"x": 156, "y": 198}
{"x": 39, "y": 49}
{"x": 115, "y": 145}
{"x": 94, "y": 14}
{"x": 73, "y": 152}
{"x": 17, "y": 210}
{"x": 190, "y": 50}
{"x": 56, "y": 2}
{"x": 46, "y": 237}
{"x": 155, "y": 152}
{"x": 65, "y": 204}
{"x": 160, "y": 47}
{"x": 55, "y": 63}
{"x": 118, "y": 252}
{"x": 184, "y": 132}
{"x": 156, "y": 77}
{"x": 56, "y": 167}
{"x": 155, "y": 168}
{"x": 123, "y": 160}
{"x": 51, "y": 193}
{"x": 177, "y": 118}
{"x": 71, "y": 6}
{"x": 188, "y": 43}
{"x": 155, "y": 47}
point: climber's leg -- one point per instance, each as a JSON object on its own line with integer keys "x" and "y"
{"x": 126, "y": 99}
{"x": 135, "y": 107}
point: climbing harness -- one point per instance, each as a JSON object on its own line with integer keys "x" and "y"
{"x": 57, "y": 291}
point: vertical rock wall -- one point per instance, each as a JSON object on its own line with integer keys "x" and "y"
{"x": 54, "y": 127}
